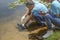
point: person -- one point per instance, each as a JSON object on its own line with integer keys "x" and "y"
{"x": 55, "y": 8}
{"x": 36, "y": 9}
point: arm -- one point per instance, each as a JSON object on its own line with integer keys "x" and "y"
{"x": 27, "y": 13}
{"x": 30, "y": 17}
{"x": 54, "y": 10}
{"x": 57, "y": 12}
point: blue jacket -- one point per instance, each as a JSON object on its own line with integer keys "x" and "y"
{"x": 38, "y": 7}
{"x": 55, "y": 7}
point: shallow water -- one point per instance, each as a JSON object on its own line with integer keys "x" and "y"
{"x": 8, "y": 20}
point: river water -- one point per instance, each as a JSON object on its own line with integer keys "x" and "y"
{"x": 7, "y": 14}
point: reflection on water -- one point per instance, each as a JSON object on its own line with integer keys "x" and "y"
{"x": 9, "y": 14}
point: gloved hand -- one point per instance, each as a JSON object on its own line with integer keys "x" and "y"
{"x": 22, "y": 18}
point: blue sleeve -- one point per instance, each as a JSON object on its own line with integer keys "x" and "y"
{"x": 34, "y": 12}
{"x": 44, "y": 9}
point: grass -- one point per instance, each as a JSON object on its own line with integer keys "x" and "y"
{"x": 55, "y": 36}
